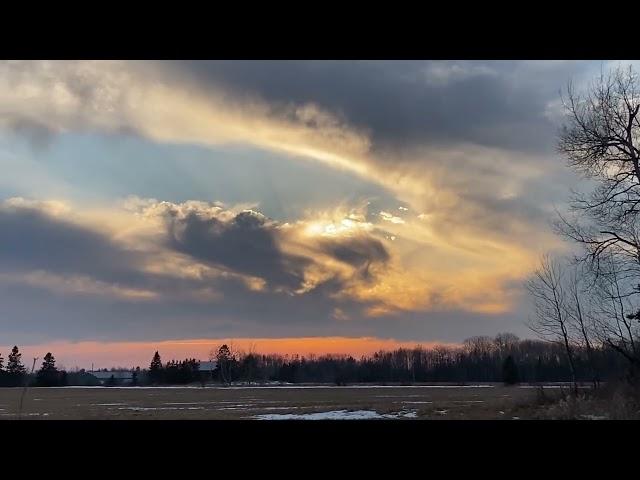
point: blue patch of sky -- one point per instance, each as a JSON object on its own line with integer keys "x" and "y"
{"x": 103, "y": 168}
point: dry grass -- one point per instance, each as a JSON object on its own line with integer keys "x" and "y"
{"x": 456, "y": 403}
{"x": 453, "y": 403}
{"x": 611, "y": 402}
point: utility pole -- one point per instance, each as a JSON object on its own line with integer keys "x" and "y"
{"x": 24, "y": 390}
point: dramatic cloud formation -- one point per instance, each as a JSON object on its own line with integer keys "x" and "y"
{"x": 147, "y": 250}
{"x": 425, "y": 192}
{"x": 36, "y": 238}
{"x": 243, "y": 242}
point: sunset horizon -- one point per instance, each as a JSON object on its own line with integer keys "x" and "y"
{"x": 89, "y": 355}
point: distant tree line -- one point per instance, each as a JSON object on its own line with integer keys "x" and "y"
{"x": 503, "y": 358}
{"x": 173, "y": 372}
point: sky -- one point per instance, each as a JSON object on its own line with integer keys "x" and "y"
{"x": 287, "y": 206}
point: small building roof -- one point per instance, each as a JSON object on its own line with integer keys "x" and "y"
{"x": 117, "y": 375}
{"x": 207, "y": 366}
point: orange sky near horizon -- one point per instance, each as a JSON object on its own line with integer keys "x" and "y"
{"x": 130, "y": 354}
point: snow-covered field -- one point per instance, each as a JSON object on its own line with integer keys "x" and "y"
{"x": 271, "y": 402}
{"x": 336, "y": 415}
{"x": 278, "y": 387}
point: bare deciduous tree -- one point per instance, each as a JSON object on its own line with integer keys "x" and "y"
{"x": 580, "y": 315}
{"x": 601, "y": 141}
{"x": 552, "y": 320}
{"x": 612, "y": 303}
{"x": 226, "y": 357}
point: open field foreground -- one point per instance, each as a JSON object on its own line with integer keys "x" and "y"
{"x": 472, "y": 402}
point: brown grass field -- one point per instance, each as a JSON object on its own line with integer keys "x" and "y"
{"x": 242, "y": 403}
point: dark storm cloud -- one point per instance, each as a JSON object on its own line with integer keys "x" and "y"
{"x": 31, "y": 239}
{"x": 250, "y": 244}
{"x": 245, "y": 244}
{"x": 497, "y": 104}
{"x": 361, "y": 253}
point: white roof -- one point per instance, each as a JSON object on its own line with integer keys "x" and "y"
{"x": 207, "y": 366}
{"x": 117, "y": 375}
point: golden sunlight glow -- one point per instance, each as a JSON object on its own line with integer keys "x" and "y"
{"x": 129, "y": 354}
{"x": 337, "y": 223}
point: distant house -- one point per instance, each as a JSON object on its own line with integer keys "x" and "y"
{"x": 206, "y": 369}
{"x": 120, "y": 377}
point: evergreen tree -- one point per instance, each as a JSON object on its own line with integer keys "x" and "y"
{"x": 4, "y": 376}
{"x": 14, "y": 363}
{"x": 49, "y": 363}
{"x": 155, "y": 369}
{"x": 510, "y": 371}
{"x": 48, "y": 375}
